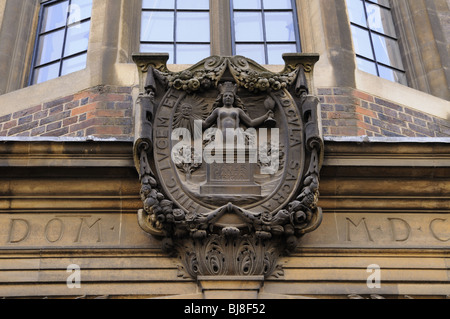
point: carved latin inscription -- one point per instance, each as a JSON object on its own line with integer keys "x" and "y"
{"x": 59, "y": 230}
{"x": 399, "y": 230}
{"x": 374, "y": 230}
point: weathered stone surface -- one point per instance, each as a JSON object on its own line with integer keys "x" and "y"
{"x": 72, "y": 231}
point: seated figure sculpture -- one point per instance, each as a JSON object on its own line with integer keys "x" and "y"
{"x": 237, "y": 177}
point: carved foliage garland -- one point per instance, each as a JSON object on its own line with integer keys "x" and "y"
{"x": 222, "y": 218}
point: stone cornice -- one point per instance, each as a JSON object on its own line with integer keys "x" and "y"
{"x": 341, "y": 151}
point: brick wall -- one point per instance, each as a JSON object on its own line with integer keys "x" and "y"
{"x": 100, "y": 111}
{"x": 349, "y": 112}
{"x": 107, "y": 111}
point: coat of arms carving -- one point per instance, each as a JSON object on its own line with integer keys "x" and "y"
{"x": 228, "y": 155}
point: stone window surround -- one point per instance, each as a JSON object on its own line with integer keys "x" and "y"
{"x": 113, "y": 43}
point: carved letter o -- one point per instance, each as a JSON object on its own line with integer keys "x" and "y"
{"x": 61, "y": 229}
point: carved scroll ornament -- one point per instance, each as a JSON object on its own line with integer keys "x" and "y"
{"x": 259, "y": 196}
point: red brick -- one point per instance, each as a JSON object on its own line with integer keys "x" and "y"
{"x": 9, "y": 124}
{"x": 104, "y": 130}
{"x": 57, "y": 102}
{"x": 361, "y": 132}
{"x": 25, "y": 119}
{"x": 325, "y": 91}
{"x": 363, "y": 96}
{"x": 368, "y": 127}
{"x": 123, "y": 106}
{"x": 83, "y": 125}
{"x": 71, "y": 105}
{"x": 60, "y": 132}
{"x": 5, "y": 118}
{"x": 360, "y": 117}
{"x": 38, "y": 131}
{"x": 54, "y": 126}
{"x": 343, "y": 131}
{"x": 363, "y": 111}
{"x": 27, "y": 111}
{"x": 22, "y": 128}
{"x": 340, "y": 99}
{"x": 405, "y": 117}
{"x": 55, "y": 118}
{"x": 389, "y": 104}
{"x": 124, "y": 89}
{"x": 82, "y": 95}
{"x": 70, "y": 121}
{"x": 341, "y": 115}
{"x": 408, "y": 133}
{"x": 40, "y": 115}
{"x": 420, "y": 129}
{"x": 390, "y": 112}
{"x": 109, "y": 113}
{"x": 85, "y": 108}
{"x": 111, "y": 97}
{"x": 56, "y": 109}
{"x": 420, "y": 115}
{"x": 327, "y": 107}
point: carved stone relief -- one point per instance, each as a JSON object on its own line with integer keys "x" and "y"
{"x": 228, "y": 155}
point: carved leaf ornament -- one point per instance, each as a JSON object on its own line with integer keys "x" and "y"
{"x": 228, "y": 210}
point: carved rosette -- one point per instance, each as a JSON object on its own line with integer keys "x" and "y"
{"x": 225, "y": 218}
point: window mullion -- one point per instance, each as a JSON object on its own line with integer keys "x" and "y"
{"x": 263, "y": 17}
{"x": 370, "y": 37}
{"x": 36, "y": 44}
{"x": 296, "y": 26}
{"x": 175, "y": 17}
{"x": 64, "y": 39}
{"x": 232, "y": 28}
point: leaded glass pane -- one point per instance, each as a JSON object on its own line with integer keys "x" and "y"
{"x": 193, "y": 27}
{"x": 248, "y": 26}
{"x": 157, "y": 26}
{"x": 50, "y": 47}
{"x": 74, "y": 64}
{"x": 54, "y": 16}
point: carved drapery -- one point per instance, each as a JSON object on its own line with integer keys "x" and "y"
{"x": 221, "y": 217}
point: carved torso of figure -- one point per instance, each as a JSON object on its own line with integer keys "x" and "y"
{"x": 228, "y": 117}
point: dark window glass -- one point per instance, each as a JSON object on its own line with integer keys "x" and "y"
{"x": 375, "y": 40}
{"x": 62, "y": 39}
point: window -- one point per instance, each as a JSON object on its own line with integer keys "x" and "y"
{"x": 62, "y": 39}
{"x": 260, "y": 29}
{"x": 179, "y": 27}
{"x": 264, "y": 29}
{"x": 375, "y": 40}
